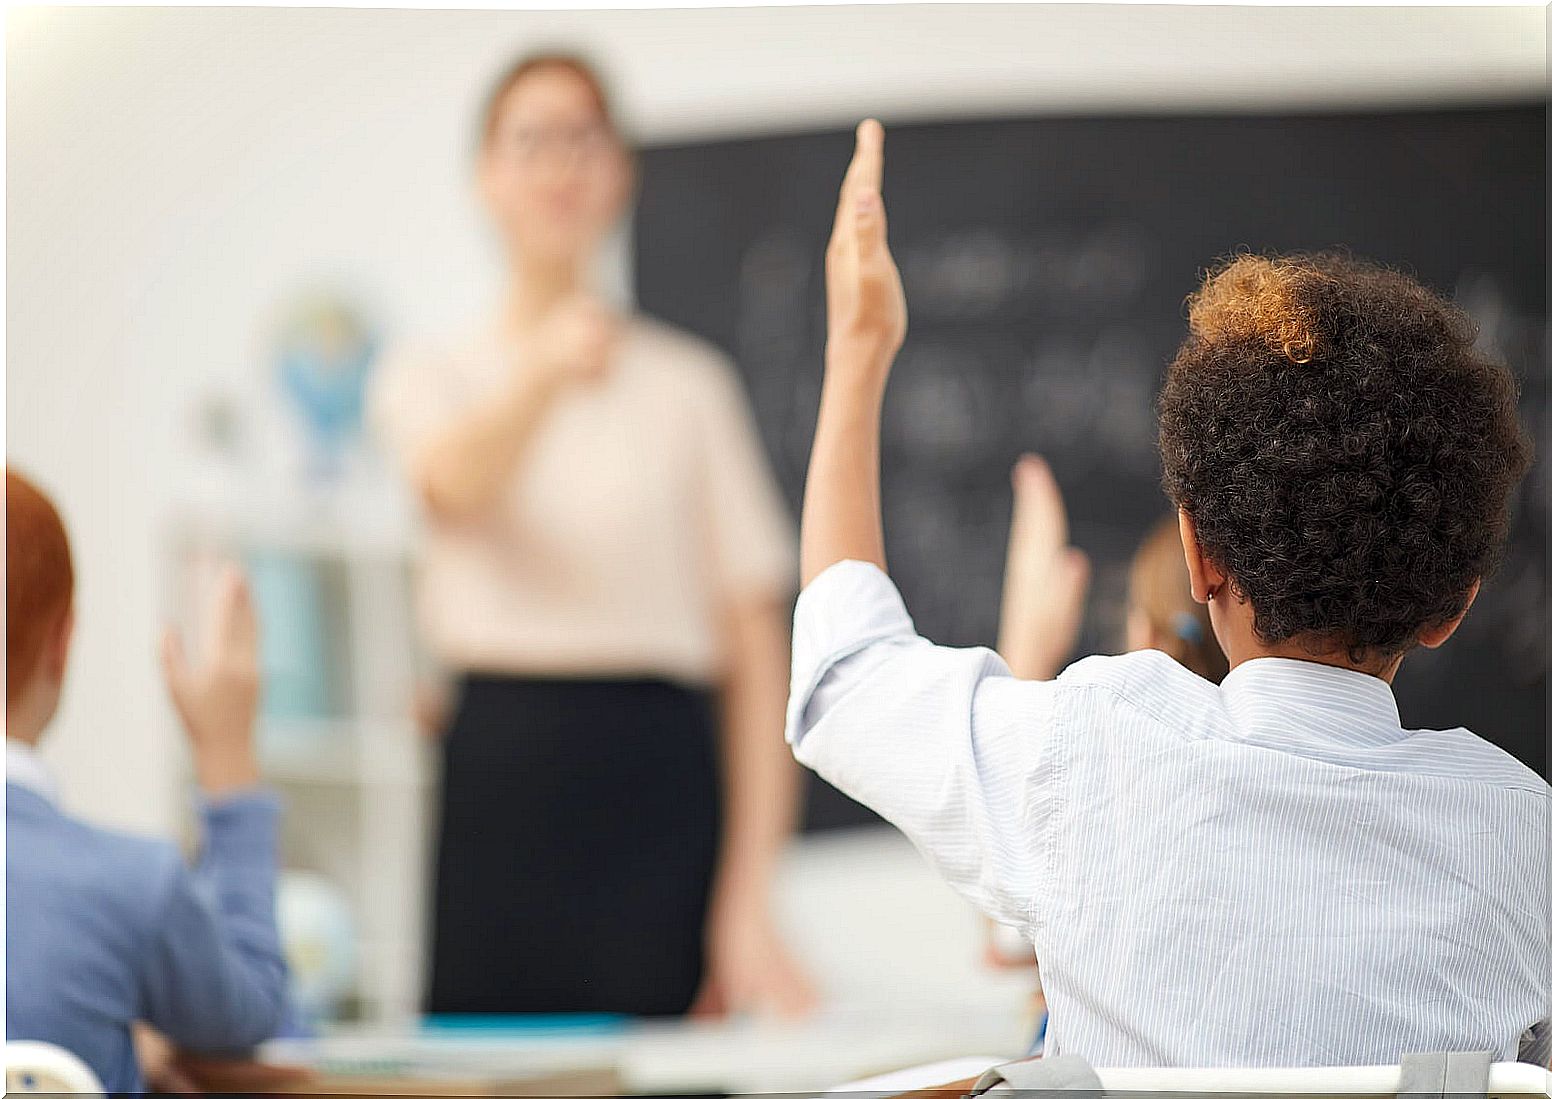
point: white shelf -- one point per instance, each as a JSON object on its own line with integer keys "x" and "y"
{"x": 355, "y": 786}
{"x": 335, "y": 525}
{"x": 343, "y": 752}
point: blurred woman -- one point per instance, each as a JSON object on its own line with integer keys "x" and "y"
{"x": 607, "y": 568}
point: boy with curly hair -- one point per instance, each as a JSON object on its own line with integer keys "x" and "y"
{"x": 1270, "y": 871}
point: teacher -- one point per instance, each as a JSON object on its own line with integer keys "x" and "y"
{"x": 607, "y": 570}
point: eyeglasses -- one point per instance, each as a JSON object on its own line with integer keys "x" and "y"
{"x": 528, "y": 144}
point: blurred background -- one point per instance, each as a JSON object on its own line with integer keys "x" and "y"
{"x": 218, "y": 219}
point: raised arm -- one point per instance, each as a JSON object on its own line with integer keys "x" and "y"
{"x": 867, "y": 317}
{"x": 213, "y": 976}
{"x": 943, "y": 743}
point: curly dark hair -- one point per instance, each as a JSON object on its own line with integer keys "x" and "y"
{"x": 1346, "y": 454}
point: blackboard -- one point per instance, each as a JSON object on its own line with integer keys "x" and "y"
{"x": 1046, "y": 261}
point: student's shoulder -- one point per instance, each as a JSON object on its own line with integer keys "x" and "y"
{"x": 1461, "y": 754}
{"x": 1144, "y": 671}
{"x": 148, "y": 861}
{"x": 1148, "y": 682}
{"x": 130, "y": 872}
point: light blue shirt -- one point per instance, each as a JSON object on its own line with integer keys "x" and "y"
{"x": 1268, "y": 872}
{"x": 103, "y": 929}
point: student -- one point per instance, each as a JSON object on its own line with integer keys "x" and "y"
{"x": 104, "y": 930}
{"x": 1270, "y": 871}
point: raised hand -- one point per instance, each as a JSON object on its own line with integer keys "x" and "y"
{"x": 1046, "y": 580}
{"x": 841, "y": 512}
{"x": 866, "y": 303}
{"x": 218, "y": 697}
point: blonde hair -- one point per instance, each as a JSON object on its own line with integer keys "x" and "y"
{"x": 1160, "y": 590}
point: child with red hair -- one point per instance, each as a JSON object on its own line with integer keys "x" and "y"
{"x": 103, "y": 929}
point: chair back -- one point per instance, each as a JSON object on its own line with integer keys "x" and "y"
{"x": 1504, "y": 1081}
{"x": 951, "y": 1080}
{"x": 43, "y": 1067}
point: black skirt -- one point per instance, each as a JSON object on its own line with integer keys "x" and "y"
{"x": 579, "y": 832}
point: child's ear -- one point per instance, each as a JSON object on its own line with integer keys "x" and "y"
{"x": 1206, "y": 577}
{"x": 1434, "y": 636}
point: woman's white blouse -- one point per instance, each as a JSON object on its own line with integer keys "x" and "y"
{"x": 643, "y": 509}
{"x": 1270, "y": 872}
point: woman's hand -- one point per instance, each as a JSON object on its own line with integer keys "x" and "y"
{"x": 574, "y": 343}
{"x": 1046, "y": 580}
{"x": 867, "y": 315}
{"x": 748, "y": 968}
{"x": 218, "y": 699}
{"x": 463, "y": 470}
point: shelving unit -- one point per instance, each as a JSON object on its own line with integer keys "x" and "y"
{"x": 354, "y": 772}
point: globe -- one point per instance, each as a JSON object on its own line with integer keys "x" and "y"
{"x": 319, "y": 939}
{"x": 325, "y": 353}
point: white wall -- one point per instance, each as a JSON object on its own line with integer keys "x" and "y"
{"x": 176, "y": 174}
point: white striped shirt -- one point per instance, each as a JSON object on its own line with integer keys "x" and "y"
{"x": 1268, "y": 872}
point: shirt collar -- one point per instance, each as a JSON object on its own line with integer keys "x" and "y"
{"x": 1303, "y": 698}
{"x": 24, "y": 767}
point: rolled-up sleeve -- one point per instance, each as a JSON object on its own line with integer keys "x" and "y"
{"x": 214, "y": 976}
{"x": 943, "y": 743}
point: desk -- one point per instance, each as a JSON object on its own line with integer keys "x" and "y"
{"x": 574, "y": 1083}
{"x": 667, "y": 1057}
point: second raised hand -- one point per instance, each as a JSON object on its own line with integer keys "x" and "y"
{"x": 1046, "y": 580}
{"x": 217, "y": 695}
{"x": 866, "y": 302}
